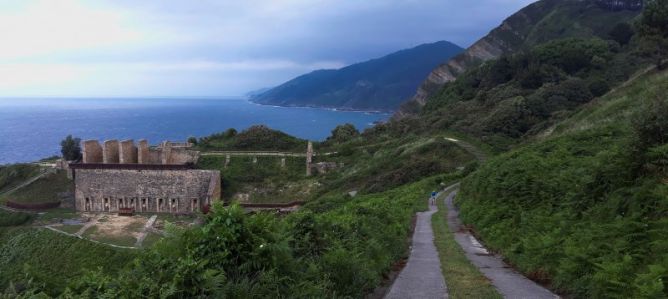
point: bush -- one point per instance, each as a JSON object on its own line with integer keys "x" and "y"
{"x": 71, "y": 148}
{"x": 622, "y": 33}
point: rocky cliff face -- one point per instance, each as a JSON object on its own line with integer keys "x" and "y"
{"x": 539, "y": 22}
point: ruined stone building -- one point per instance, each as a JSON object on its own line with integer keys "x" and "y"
{"x": 158, "y": 179}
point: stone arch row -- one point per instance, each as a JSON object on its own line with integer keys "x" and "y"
{"x": 143, "y": 204}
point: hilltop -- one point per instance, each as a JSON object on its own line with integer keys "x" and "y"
{"x": 378, "y": 84}
{"x": 535, "y": 24}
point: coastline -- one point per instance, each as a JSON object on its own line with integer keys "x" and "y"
{"x": 338, "y": 109}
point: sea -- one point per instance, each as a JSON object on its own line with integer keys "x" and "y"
{"x": 31, "y": 129}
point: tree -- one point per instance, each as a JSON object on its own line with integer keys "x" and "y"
{"x": 71, "y": 148}
{"x": 192, "y": 140}
{"x": 343, "y": 133}
{"x": 653, "y": 27}
{"x": 622, "y": 33}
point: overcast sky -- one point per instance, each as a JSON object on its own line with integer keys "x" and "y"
{"x": 214, "y": 48}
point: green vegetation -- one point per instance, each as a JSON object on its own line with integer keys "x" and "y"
{"x": 44, "y": 190}
{"x": 463, "y": 278}
{"x": 120, "y": 240}
{"x": 71, "y": 148}
{"x": 51, "y": 260}
{"x": 13, "y": 219}
{"x": 585, "y": 209}
{"x": 255, "y": 138}
{"x": 70, "y": 229}
{"x": 14, "y": 175}
{"x": 264, "y": 181}
{"x": 331, "y": 248}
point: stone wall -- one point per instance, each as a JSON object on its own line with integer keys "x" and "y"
{"x": 110, "y": 152}
{"x": 145, "y": 190}
{"x": 128, "y": 152}
{"x": 125, "y": 152}
{"x": 92, "y": 152}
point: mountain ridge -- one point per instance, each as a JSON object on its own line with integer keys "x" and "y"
{"x": 521, "y": 31}
{"x": 377, "y": 84}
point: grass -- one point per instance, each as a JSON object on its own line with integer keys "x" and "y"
{"x": 13, "y": 219}
{"x": 70, "y": 229}
{"x": 14, "y": 175}
{"x": 463, "y": 278}
{"x": 52, "y": 258}
{"x": 121, "y": 240}
{"x": 151, "y": 239}
{"x": 44, "y": 190}
{"x": 55, "y": 215}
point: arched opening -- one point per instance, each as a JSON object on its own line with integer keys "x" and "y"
{"x": 194, "y": 207}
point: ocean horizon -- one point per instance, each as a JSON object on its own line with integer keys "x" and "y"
{"x": 32, "y": 128}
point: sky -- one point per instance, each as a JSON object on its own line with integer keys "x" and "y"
{"x": 128, "y": 48}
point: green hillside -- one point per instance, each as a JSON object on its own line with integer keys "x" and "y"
{"x": 585, "y": 208}
{"x": 538, "y": 23}
{"x": 379, "y": 84}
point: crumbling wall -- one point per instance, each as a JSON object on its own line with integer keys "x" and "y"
{"x": 110, "y": 152}
{"x": 128, "y": 152}
{"x": 143, "y": 152}
{"x": 92, "y": 152}
{"x": 183, "y": 156}
{"x": 169, "y": 191}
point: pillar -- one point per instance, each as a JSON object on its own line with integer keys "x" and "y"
{"x": 309, "y": 158}
{"x": 110, "y": 153}
{"x": 142, "y": 152}
{"x": 227, "y": 160}
{"x": 92, "y": 152}
{"x": 128, "y": 152}
{"x": 282, "y": 162}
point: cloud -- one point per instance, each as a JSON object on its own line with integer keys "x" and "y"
{"x": 214, "y": 47}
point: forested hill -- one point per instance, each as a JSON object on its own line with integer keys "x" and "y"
{"x": 378, "y": 84}
{"x": 535, "y": 24}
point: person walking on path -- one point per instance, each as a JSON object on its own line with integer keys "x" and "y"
{"x": 432, "y": 199}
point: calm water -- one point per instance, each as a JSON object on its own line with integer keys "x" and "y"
{"x": 31, "y": 129}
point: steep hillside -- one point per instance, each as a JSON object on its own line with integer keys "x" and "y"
{"x": 585, "y": 208}
{"x": 535, "y": 24}
{"x": 379, "y": 84}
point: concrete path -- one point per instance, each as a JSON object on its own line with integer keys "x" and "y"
{"x": 422, "y": 277}
{"x": 144, "y": 232}
{"x": 507, "y": 281}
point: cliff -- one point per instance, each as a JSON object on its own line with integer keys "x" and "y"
{"x": 535, "y": 24}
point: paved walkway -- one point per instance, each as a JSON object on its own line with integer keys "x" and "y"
{"x": 507, "y": 281}
{"x": 144, "y": 232}
{"x": 422, "y": 277}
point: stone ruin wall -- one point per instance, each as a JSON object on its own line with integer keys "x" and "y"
{"x": 92, "y": 151}
{"x": 126, "y": 152}
{"x": 166, "y": 191}
{"x": 110, "y": 152}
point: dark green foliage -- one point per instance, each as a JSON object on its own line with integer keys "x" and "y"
{"x": 15, "y": 174}
{"x": 653, "y": 27}
{"x": 598, "y": 86}
{"x": 622, "y": 33}
{"x": 584, "y": 211}
{"x": 379, "y": 84}
{"x": 71, "y": 148}
{"x": 52, "y": 260}
{"x": 255, "y": 138}
{"x": 192, "y": 139}
{"x": 343, "y": 133}
{"x": 655, "y": 18}
{"x": 13, "y": 219}
{"x": 340, "y": 251}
